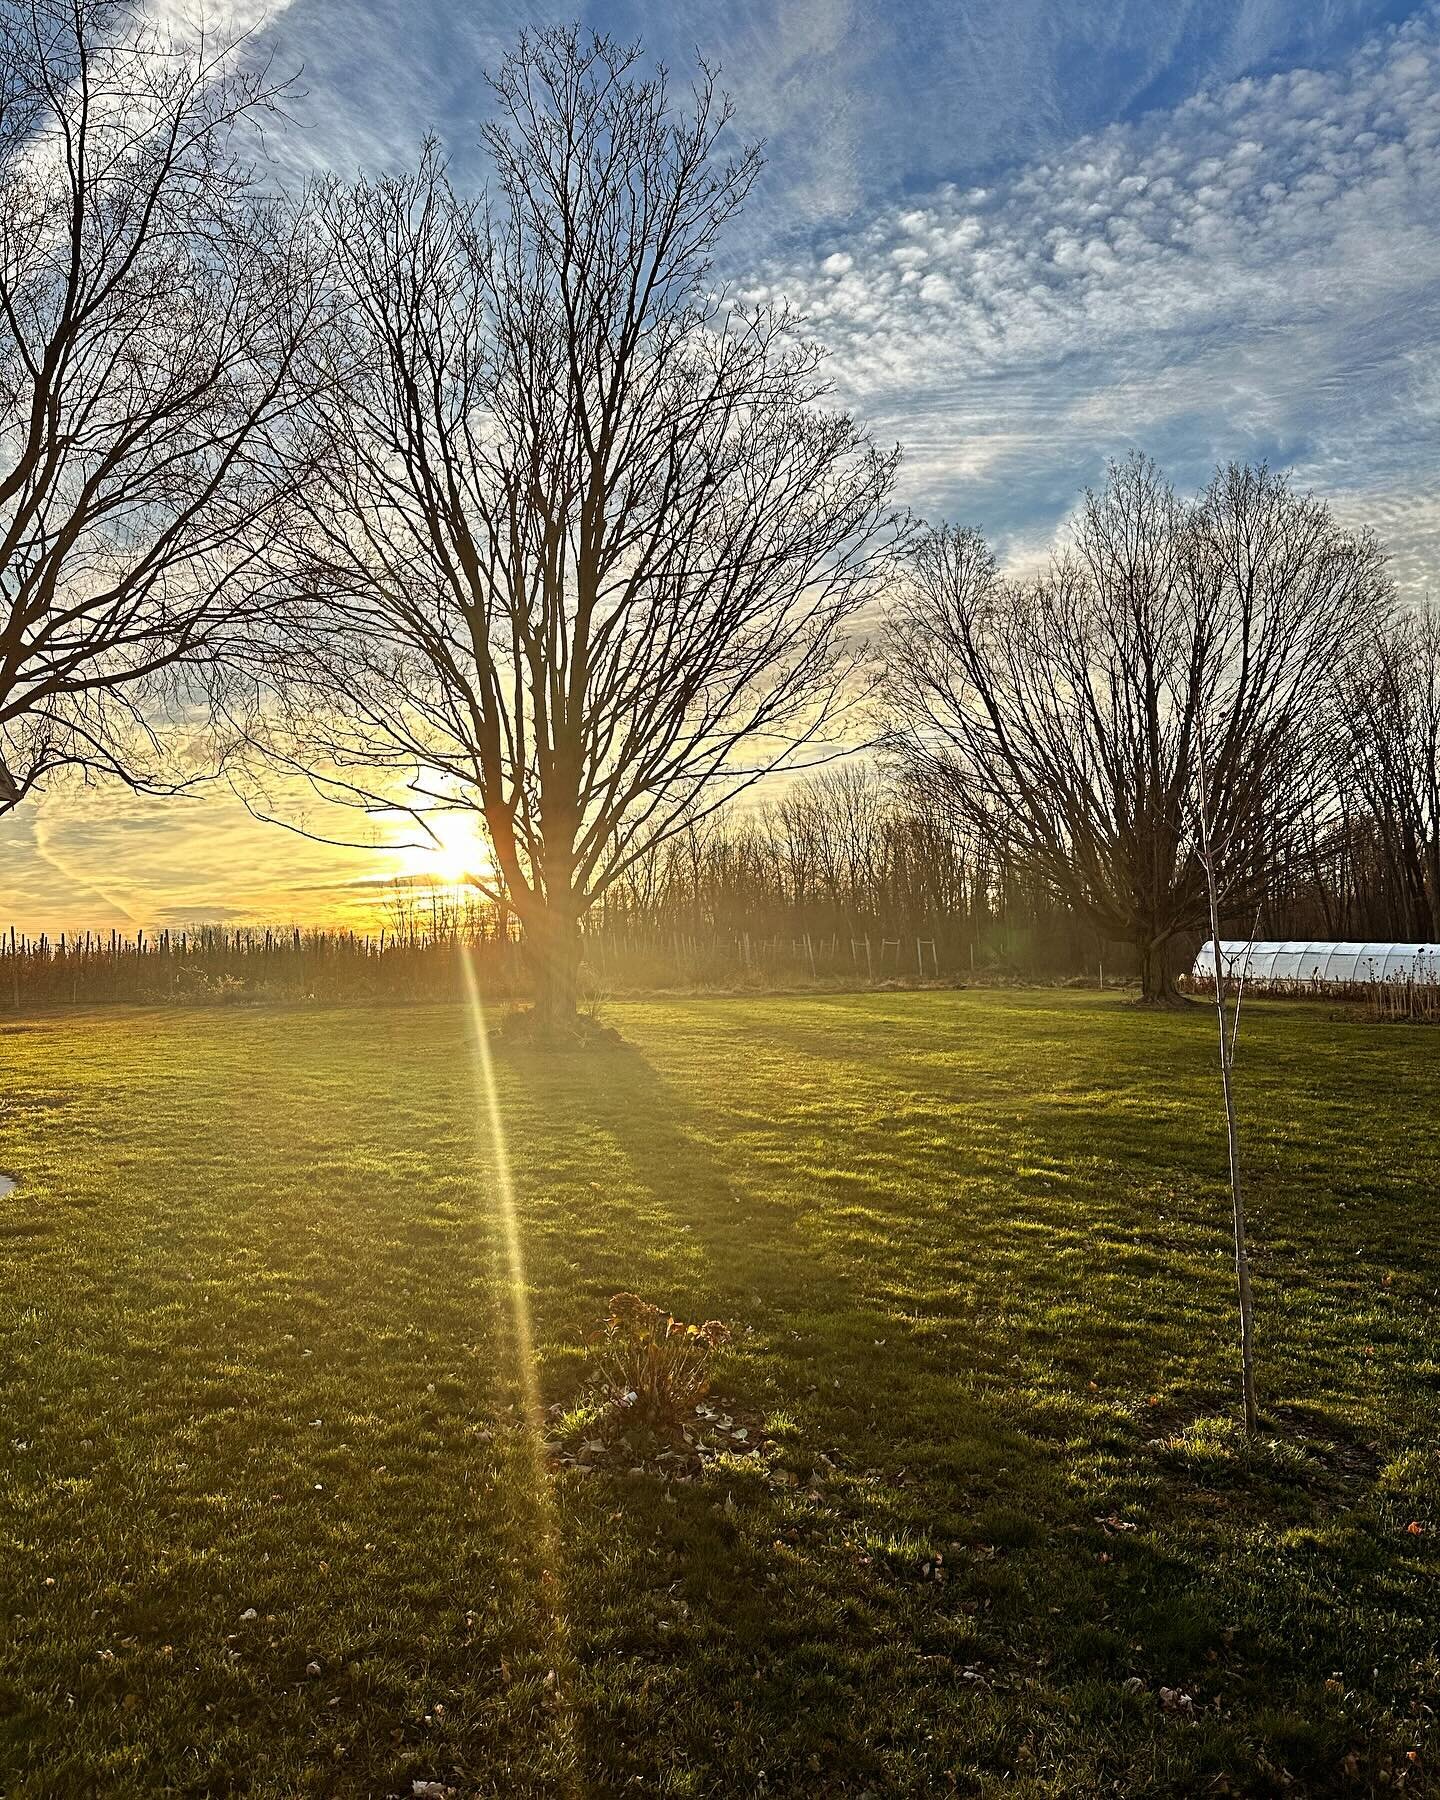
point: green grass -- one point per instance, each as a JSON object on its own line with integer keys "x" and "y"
{"x": 259, "y": 1352}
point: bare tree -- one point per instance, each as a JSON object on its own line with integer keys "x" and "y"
{"x": 587, "y": 545}
{"x": 150, "y": 304}
{"x": 1390, "y": 750}
{"x": 1060, "y": 715}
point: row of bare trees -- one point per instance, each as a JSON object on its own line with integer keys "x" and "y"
{"x": 865, "y": 849}
{"x": 501, "y": 502}
{"x": 853, "y": 856}
{"x": 1382, "y": 833}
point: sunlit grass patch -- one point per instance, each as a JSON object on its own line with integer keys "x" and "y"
{"x": 260, "y": 1357}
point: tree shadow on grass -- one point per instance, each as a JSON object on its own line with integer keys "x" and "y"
{"x": 938, "y": 1573}
{"x": 296, "y": 1394}
{"x": 854, "y": 1612}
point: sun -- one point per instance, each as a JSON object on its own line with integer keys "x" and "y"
{"x": 453, "y": 850}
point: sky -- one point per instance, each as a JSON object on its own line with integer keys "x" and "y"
{"x": 1033, "y": 234}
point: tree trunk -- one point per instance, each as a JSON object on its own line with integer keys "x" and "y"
{"x": 1157, "y": 972}
{"x": 552, "y": 946}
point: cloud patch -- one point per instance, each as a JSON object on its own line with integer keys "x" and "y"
{"x": 1256, "y": 272}
{"x": 99, "y": 858}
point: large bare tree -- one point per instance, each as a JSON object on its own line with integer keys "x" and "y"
{"x": 1063, "y": 714}
{"x": 150, "y": 303}
{"x": 1390, "y": 752}
{"x": 587, "y": 543}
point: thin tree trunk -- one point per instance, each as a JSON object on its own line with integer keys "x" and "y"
{"x": 1242, "y": 1258}
{"x": 1232, "y": 1131}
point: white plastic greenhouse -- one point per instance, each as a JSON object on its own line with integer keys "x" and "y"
{"x": 1302, "y": 964}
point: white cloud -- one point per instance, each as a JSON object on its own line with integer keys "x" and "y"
{"x": 216, "y": 18}
{"x": 1256, "y": 271}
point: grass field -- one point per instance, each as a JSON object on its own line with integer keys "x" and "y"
{"x": 259, "y": 1352}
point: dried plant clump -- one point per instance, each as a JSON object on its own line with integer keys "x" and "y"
{"x": 654, "y": 1368}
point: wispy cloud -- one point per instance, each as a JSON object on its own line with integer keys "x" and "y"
{"x": 1256, "y": 271}
{"x": 378, "y": 79}
{"x": 97, "y": 858}
{"x": 216, "y": 18}
{"x": 861, "y": 99}
{"x": 856, "y": 99}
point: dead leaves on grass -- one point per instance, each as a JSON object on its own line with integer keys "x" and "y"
{"x": 709, "y": 1429}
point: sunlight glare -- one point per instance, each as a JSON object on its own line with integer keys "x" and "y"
{"x": 457, "y": 853}
{"x": 547, "y": 1531}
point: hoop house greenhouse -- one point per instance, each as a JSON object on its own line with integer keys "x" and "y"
{"x": 1303, "y": 964}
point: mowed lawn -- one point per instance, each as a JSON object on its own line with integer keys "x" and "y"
{"x": 260, "y": 1352}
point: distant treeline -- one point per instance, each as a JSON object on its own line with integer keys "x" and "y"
{"x": 850, "y": 876}
{"x": 221, "y": 962}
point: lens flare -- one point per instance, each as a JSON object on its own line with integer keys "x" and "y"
{"x": 547, "y": 1535}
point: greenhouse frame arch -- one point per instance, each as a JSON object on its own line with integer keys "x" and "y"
{"x": 1303, "y": 963}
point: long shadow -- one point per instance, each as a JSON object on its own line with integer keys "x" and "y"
{"x": 914, "y": 1516}
{"x": 950, "y": 1504}
{"x": 270, "y": 1372}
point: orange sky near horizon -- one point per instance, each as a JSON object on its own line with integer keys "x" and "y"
{"x": 102, "y": 858}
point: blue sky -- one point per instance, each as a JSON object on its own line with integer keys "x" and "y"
{"x": 1204, "y": 227}
{"x": 1034, "y": 233}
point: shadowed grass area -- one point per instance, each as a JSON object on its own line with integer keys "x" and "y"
{"x": 259, "y": 1353}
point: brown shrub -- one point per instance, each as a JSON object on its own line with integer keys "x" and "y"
{"x": 654, "y": 1367}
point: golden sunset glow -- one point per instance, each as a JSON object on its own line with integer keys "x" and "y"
{"x": 456, "y": 853}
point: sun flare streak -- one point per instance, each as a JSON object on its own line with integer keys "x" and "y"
{"x": 547, "y": 1534}
{"x": 505, "y": 1193}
